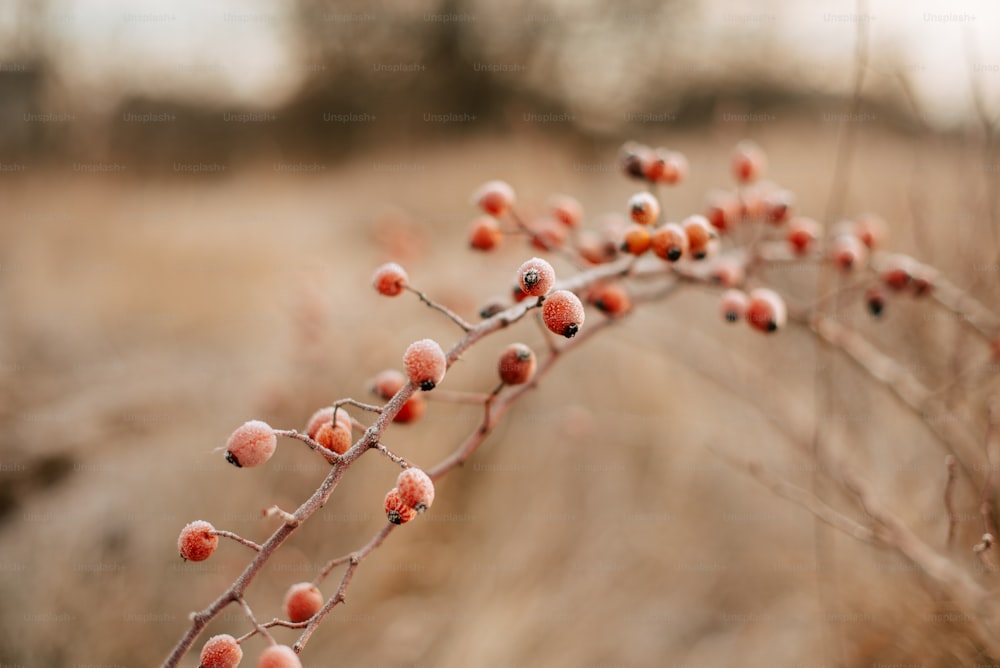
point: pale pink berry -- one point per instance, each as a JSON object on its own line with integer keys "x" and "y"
{"x": 425, "y": 363}
{"x": 897, "y": 270}
{"x": 517, "y": 364}
{"x": 221, "y": 651}
{"x": 727, "y": 272}
{"x": 723, "y": 210}
{"x": 197, "y": 541}
{"x": 279, "y": 656}
{"x": 390, "y": 279}
{"x": 325, "y": 416}
{"x": 567, "y": 210}
{"x": 778, "y": 205}
{"x": 536, "y": 277}
{"x": 871, "y": 229}
{"x": 251, "y": 444}
{"x": 734, "y": 305}
{"x": 747, "y": 162}
{"x": 302, "y": 601}
{"x": 387, "y": 383}
{"x": 847, "y": 252}
{"x": 416, "y": 489}
{"x": 494, "y": 197}
{"x": 643, "y": 208}
{"x": 766, "y": 310}
{"x": 563, "y": 313}
{"x": 396, "y": 510}
{"x": 802, "y": 234}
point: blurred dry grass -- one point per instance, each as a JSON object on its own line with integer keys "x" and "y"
{"x": 143, "y": 320}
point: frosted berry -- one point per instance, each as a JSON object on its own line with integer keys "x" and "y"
{"x": 633, "y": 156}
{"x": 643, "y": 208}
{"x": 594, "y": 248}
{"x": 302, "y": 601}
{"x": 612, "y": 299}
{"x": 221, "y": 651}
{"x": 396, "y": 510}
{"x": 416, "y": 489}
{"x": 766, "y": 310}
{"x": 897, "y": 271}
{"x": 412, "y": 410}
{"x": 723, "y": 210}
{"x": 485, "y": 233}
{"x": 197, "y": 541}
{"x": 699, "y": 235}
{"x": 563, "y": 313}
{"x": 922, "y": 279}
{"x": 335, "y": 437}
{"x": 567, "y": 210}
{"x": 733, "y": 305}
{"x": 663, "y": 166}
{"x": 325, "y": 416}
{"x": 425, "y": 363}
{"x": 727, "y": 272}
{"x": 251, "y": 444}
{"x": 279, "y": 656}
{"x": 517, "y": 364}
{"x": 494, "y": 197}
{"x": 389, "y": 279}
{"x": 536, "y": 277}
{"x": 386, "y": 384}
{"x": 802, "y": 234}
{"x": 637, "y": 239}
{"x": 847, "y": 251}
{"x": 747, "y": 162}
{"x": 669, "y": 242}
{"x": 548, "y": 234}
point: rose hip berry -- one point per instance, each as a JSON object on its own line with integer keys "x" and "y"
{"x": 669, "y": 242}
{"x": 517, "y": 364}
{"x": 425, "y": 363}
{"x": 302, "y": 601}
{"x": 747, "y": 162}
{"x": 612, "y": 299}
{"x": 802, "y": 234}
{"x": 389, "y": 279}
{"x": 396, "y": 510}
{"x": 563, "y": 313}
{"x": 766, "y": 310}
{"x": 733, "y": 305}
{"x": 643, "y": 208}
{"x": 197, "y": 541}
{"x": 699, "y": 235}
{"x": 485, "y": 233}
{"x": 416, "y": 489}
{"x": 536, "y": 277}
{"x": 251, "y": 444}
{"x": 494, "y": 197}
{"x": 221, "y": 651}
{"x": 279, "y": 656}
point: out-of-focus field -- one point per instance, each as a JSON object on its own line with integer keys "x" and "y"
{"x": 142, "y": 320}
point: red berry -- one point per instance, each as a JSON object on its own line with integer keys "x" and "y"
{"x": 778, "y": 206}
{"x": 563, "y": 313}
{"x": 896, "y": 271}
{"x": 279, "y": 656}
{"x": 425, "y": 363}
{"x": 637, "y": 239}
{"x": 325, "y": 416}
{"x": 847, "y": 251}
{"x": 416, "y": 489}
{"x": 494, "y": 197}
{"x": 412, "y": 410}
{"x": 302, "y": 601}
{"x": 663, "y": 166}
{"x": 197, "y": 541}
{"x": 734, "y": 305}
{"x": 221, "y": 651}
{"x": 536, "y": 277}
{"x": 612, "y": 299}
{"x": 251, "y": 444}
{"x": 594, "y": 248}
{"x": 389, "y": 279}
{"x": 517, "y": 364}
{"x": 723, "y": 210}
{"x": 387, "y": 383}
{"x": 699, "y": 235}
{"x": 643, "y": 208}
{"x": 669, "y": 242}
{"x": 548, "y": 234}
{"x": 395, "y": 510}
{"x": 802, "y": 234}
{"x": 567, "y": 210}
{"x": 335, "y": 437}
{"x": 747, "y": 162}
{"x": 922, "y": 279}
{"x": 766, "y": 310}
{"x": 485, "y": 233}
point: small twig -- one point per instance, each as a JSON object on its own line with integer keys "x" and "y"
{"x": 401, "y": 461}
{"x": 949, "y": 505}
{"x": 329, "y": 455}
{"x": 238, "y": 538}
{"x": 454, "y": 317}
{"x": 258, "y": 628}
{"x": 287, "y": 518}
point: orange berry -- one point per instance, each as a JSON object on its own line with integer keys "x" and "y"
{"x": 871, "y": 229}
{"x": 612, "y": 299}
{"x": 669, "y": 242}
{"x": 548, "y": 234}
{"x": 766, "y": 310}
{"x": 302, "y": 601}
{"x": 802, "y": 234}
{"x": 279, "y": 656}
{"x": 563, "y": 313}
{"x": 325, "y": 416}
{"x": 637, "y": 239}
{"x": 723, "y": 210}
{"x": 485, "y": 233}
{"x": 412, "y": 410}
{"x": 747, "y": 162}
{"x": 727, "y": 272}
{"x": 334, "y": 437}
{"x": 425, "y": 363}
{"x": 663, "y": 166}
{"x": 416, "y": 489}
{"x": 494, "y": 197}
{"x": 395, "y": 510}
{"x": 251, "y": 444}
{"x": 517, "y": 364}
{"x": 387, "y": 383}
{"x": 699, "y": 234}
{"x": 734, "y": 305}
{"x": 389, "y": 279}
{"x": 643, "y": 208}
{"x": 594, "y": 248}
{"x": 536, "y": 277}
{"x": 896, "y": 271}
{"x": 567, "y": 210}
{"x": 197, "y": 541}
{"x": 847, "y": 251}
{"x": 221, "y": 651}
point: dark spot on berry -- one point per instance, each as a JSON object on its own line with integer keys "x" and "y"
{"x": 571, "y": 330}
{"x": 674, "y": 254}
{"x": 875, "y": 307}
{"x": 427, "y": 385}
{"x": 232, "y": 460}
{"x": 531, "y": 277}
{"x": 700, "y": 255}
{"x": 772, "y": 326}
{"x": 732, "y": 316}
{"x": 394, "y": 517}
